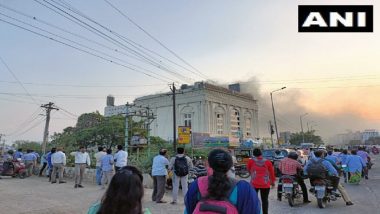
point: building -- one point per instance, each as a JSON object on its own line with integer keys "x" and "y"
{"x": 285, "y": 137}
{"x": 369, "y": 133}
{"x": 111, "y": 109}
{"x": 206, "y": 108}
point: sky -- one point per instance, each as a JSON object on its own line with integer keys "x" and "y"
{"x": 334, "y": 77}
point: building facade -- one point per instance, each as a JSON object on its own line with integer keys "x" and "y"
{"x": 369, "y": 133}
{"x": 205, "y": 108}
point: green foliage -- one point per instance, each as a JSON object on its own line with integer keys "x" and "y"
{"x": 310, "y": 137}
{"x": 25, "y": 144}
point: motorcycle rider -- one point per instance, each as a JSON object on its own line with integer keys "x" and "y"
{"x": 332, "y": 174}
{"x": 290, "y": 166}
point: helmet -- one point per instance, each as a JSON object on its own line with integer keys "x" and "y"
{"x": 293, "y": 155}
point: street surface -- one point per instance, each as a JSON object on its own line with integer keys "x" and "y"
{"x": 37, "y": 195}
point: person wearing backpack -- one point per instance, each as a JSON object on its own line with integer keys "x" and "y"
{"x": 321, "y": 168}
{"x": 181, "y": 165}
{"x": 218, "y": 193}
{"x": 262, "y": 176}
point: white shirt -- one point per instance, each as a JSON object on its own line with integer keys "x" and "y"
{"x": 98, "y": 156}
{"x": 81, "y": 157}
{"x": 58, "y": 157}
{"x": 159, "y": 166}
{"x": 121, "y": 158}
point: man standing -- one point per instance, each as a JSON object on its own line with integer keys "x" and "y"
{"x": 50, "y": 164}
{"x": 121, "y": 158}
{"x": 98, "y": 156}
{"x": 58, "y": 159}
{"x": 364, "y": 155}
{"x": 30, "y": 161}
{"x": 180, "y": 164}
{"x": 43, "y": 163}
{"x": 106, "y": 165}
{"x": 82, "y": 160}
{"x": 290, "y": 166}
{"x": 159, "y": 173}
{"x": 18, "y": 154}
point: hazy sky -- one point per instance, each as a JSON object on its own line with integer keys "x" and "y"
{"x": 334, "y": 77}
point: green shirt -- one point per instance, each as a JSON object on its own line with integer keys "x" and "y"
{"x": 95, "y": 208}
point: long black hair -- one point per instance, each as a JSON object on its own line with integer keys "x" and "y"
{"x": 124, "y": 193}
{"x": 219, "y": 184}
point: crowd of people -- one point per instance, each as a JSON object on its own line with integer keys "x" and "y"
{"x": 219, "y": 190}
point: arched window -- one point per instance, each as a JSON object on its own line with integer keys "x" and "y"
{"x": 219, "y": 120}
{"x": 235, "y": 123}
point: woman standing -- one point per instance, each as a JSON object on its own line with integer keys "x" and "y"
{"x": 262, "y": 177}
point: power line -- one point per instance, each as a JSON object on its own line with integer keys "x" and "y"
{"x": 128, "y": 41}
{"x": 103, "y": 35}
{"x": 81, "y": 50}
{"x": 155, "y": 39}
{"x": 14, "y": 76}
{"x": 83, "y": 86}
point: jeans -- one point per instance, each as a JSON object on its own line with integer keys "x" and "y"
{"x": 176, "y": 181}
{"x": 98, "y": 175}
{"x": 264, "y": 194}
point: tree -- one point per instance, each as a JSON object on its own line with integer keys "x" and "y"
{"x": 309, "y": 136}
{"x": 25, "y": 144}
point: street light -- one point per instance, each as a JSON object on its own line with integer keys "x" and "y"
{"x": 303, "y": 136}
{"x": 274, "y": 114}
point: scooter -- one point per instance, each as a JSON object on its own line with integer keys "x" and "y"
{"x": 15, "y": 168}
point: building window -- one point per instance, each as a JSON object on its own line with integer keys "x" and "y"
{"x": 248, "y": 127}
{"x": 219, "y": 124}
{"x": 235, "y": 123}
{"x": 187, "y": 119}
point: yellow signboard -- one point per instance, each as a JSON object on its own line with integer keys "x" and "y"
{"x": 184, "y": 135}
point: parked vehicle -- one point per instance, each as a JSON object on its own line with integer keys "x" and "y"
{"x": 290, "y": 188}
{"x": 323, "y": 192}
{"x": 15, "y": 168}
{"x": 242, "y": 171}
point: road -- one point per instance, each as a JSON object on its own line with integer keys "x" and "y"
{"x": 37, "y": 196}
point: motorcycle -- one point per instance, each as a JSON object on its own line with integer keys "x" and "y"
{"x": 323, "y": 192}
{"x": 14, "y": 168}
{"x": 242, "y": 171}
{"x": 290, "y": 188}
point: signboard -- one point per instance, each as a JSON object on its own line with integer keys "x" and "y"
{"x": 184, "y": 135}
{"x": 216, "y": 142}
{"x": 199, "y": 138}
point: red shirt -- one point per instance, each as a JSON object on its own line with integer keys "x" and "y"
{"x": 269, "y": 166}
{"x": 289, "y": 166}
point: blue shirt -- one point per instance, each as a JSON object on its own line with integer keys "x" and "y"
{"x": 106, "y": 163}
{"x": 333, "y": 158}
{"x": 159, "y": 166}
{"x": 244, "y": 197}
{"x": 49, "y": 159}
{"x": 18, "y": 155}
{"x": 355, "y": 163}
{"x": 343, "y": 158}
{"x": 330, "y": 168}
{"x": 363, "y": 155}
{"x": 29, "y": 157}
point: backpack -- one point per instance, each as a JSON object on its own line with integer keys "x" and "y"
{"x": 181, "y": 167}
{"x": 316, "y": 169}
{"x": 212, "y": 206}
{"x": 259, "y": 173}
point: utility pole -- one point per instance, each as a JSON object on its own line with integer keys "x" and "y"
{"x": 172, "y": 88}
{"x": 48, "y": 107}
{"x": 271, "y": 131}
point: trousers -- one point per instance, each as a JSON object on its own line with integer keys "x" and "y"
{"x": 79, "y": 171}
{"x": 158, "y": 187}
{"x": 176, "y": 181}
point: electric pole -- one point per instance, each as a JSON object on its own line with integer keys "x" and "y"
{"x": 271, "y": 131}
{"x": 48, "y": 107}
{"x": 172, "y": 88}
